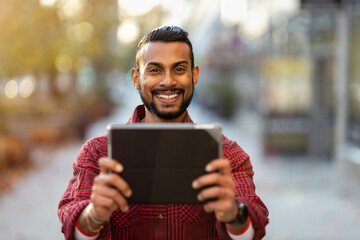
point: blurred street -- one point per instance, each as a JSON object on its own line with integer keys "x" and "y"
{"x": 281, "y": 77}
{"x": 303, "y": 195}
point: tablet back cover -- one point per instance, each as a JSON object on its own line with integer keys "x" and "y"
{"x": 161, "y": 161}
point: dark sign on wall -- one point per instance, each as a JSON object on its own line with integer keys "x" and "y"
{"x": 318, "y": 4}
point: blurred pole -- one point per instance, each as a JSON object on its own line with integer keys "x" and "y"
{"x": 341, "y": 82}
{"x": 319, "y": 138}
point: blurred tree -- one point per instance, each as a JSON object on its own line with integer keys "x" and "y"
{"x": 91, "y": 35}
{"x": 34, "y": 38}
{"x": 30, "y": 38}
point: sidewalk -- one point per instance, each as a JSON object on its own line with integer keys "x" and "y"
{"x": 306, "y": 198}
{"x": 302, "y": 195}
{"x": 29, "y": 211}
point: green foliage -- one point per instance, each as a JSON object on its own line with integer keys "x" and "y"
{"x": 30, "y": 37}
{"x": 33, "y": 37}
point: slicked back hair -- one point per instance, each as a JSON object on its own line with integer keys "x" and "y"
{"x": 165, "y": 34}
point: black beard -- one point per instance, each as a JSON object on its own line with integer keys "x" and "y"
{"x": 168, "y": 115}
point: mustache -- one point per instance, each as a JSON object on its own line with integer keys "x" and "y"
{"x": 160, "y": 90}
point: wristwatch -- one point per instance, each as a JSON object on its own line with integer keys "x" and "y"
{"x": 241, "y": 216}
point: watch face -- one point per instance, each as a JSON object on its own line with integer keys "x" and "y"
{"x": 243, "y": 213}
{"x": 241, "y": 216}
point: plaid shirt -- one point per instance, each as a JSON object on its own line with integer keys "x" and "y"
{"x": 160, "y": 221}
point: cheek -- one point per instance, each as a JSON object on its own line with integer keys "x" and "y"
{"x": 145, "y": 88}
{"x": 148, "y": 83}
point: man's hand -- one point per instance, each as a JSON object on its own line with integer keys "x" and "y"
{"x": 219, "y": 189}
{"x": 109, "y": 193}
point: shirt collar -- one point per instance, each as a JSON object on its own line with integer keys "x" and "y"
{"x": 139, "y": 114}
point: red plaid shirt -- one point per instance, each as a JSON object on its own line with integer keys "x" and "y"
{"x": 161, "y": 221}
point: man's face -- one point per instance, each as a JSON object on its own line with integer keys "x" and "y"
{"x": 165, "y": 79}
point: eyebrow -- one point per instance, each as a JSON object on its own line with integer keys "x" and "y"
{"x": 173, "y": 65}
{"x": 180, "y": 62}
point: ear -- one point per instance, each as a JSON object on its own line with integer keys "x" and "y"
{"x": 195, "y": 73}
{"x": 135, "y": 78}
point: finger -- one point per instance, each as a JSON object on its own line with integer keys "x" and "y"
{"x": 114, "y": 180}
{"x": 215, "y": 193}
{"x": 206, "y": 180}
{"x": 112, "y": 193}
{"x": 107, "y": 164}
{"x": 213, "y": 179}
{"x": 218, "y": 206}
{"x": 220, "y": 164}
{"x": 103, "y": 202}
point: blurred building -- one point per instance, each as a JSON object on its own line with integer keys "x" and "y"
{"x": 313, "y": 56}
{"x": 295, "y": 63}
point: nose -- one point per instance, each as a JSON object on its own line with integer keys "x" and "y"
{"x": 168, "y": 81}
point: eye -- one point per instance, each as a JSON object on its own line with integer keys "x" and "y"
{"x": 180, "y": 69}
{"x": 154, "y": 70}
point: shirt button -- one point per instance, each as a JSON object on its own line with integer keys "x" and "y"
{"x": 161, "y": 216}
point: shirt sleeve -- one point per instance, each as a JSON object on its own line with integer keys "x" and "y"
{"x": 247, "y": 234}
{"x": 80, "y": 235}
{"x": 243, "y": 173}
{"x": 77, "y": 194}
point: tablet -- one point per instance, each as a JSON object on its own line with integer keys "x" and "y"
{"x": 162, "y": 160}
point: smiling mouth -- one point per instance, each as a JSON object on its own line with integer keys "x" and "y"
{"x": 165, "y": 96}
{"x": 168, "y": 95}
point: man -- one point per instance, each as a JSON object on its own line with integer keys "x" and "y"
{"x": 95, "y": 202}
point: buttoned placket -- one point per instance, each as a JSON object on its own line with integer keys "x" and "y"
{"x": 161, "y": 223}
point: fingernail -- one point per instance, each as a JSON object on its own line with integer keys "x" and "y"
{"x": 128, "y": 193}
{"x": 199, "y": 197}
{"x": 195, "y": 184}
{"x": 208, "y": 168}
{"x": 126, "y": 208}
{"x": 119, "y": 168}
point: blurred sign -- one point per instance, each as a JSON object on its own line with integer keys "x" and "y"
{"x": 310, "y": 4}
{"x": 287, "y": 102}
{"x": 316, "y": 4}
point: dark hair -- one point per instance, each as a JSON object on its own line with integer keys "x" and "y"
{"x": 165, "y": 34}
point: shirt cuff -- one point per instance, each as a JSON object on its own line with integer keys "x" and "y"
{"x": 246, "y": 234}
{"x": 79, "y": 234}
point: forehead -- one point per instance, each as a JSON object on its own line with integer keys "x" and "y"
{"x": 164, "y": 52}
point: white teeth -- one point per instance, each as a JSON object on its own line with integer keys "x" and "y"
{"x": 168, "y": 96}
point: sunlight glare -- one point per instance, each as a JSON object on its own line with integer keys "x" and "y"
{"x": 48, "y": 3}
{"x": 233, "y": 12}
{"x": 138, "y": 7}
{"x": 127, "y": 32}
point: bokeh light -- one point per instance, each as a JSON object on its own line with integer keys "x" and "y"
{"x": 26, "y": 87}
{"x": 127, "y": 32}
{"x": 64, "y": 63}
{"x": 70, "y": 8}
{"x": 48, "y": 3}
{"x": 80, "y": 32}
{"x": 138, "y": 7}
{"x": 256, "y": 22}
{"x": 11, "y": 89}
{"x": 86, "y": 79}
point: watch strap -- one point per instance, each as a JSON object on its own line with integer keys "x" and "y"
{"x": 241, "y": 216}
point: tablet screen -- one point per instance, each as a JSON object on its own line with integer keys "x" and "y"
{"x": 161, "y": 160}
